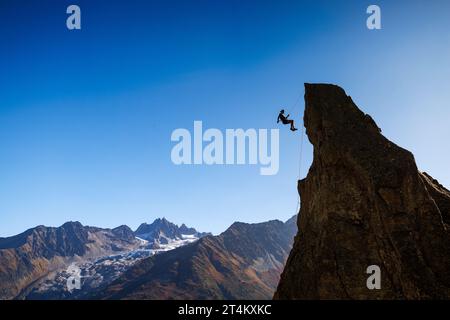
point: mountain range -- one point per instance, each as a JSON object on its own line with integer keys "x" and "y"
{"x": 41, "y": 254}
{"x": 156, "y": 261}
{"x": 244, "y": 262}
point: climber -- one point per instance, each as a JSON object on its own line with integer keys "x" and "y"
{"x": 284, "y": 119}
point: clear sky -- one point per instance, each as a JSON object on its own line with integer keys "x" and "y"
{"x": 86, "y": 116}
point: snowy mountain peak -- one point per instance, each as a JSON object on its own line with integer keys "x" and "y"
{"x": 162, "y": 231}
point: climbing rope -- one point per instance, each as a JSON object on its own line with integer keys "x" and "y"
{"x": 301, "y": 152}
{"x": 289, "y": 110}
{"x": 297, "y": 210}
{"x": 294, "y": 106}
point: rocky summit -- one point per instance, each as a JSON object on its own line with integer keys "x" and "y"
{"x": 364, "y": 203}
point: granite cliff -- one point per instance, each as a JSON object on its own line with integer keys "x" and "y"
{"x": 364, "y": 203}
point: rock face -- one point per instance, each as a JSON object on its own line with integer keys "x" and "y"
{"x": 364, "y": 203}
{"x": 244, "y": 262}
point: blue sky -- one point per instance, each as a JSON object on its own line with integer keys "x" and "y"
{"x": 86, "y": 116}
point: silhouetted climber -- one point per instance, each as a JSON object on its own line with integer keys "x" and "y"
{"x": 284, "y": 119}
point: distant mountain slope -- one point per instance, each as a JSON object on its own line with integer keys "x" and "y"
{"x": 244, "y": 262}
{"x": 103, "y": 268}
{"x": 26, "y": 257}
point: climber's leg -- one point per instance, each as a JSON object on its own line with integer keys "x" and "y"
{"x": 292, "y": 125}
{"x": 291, "y": 122}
